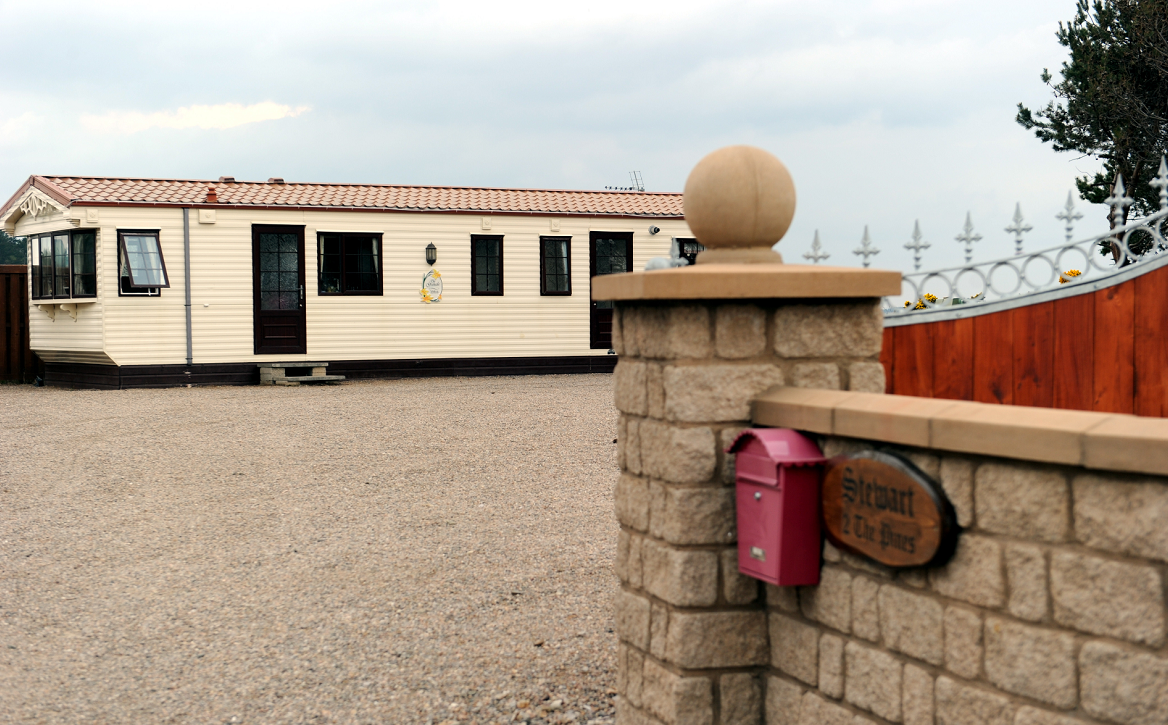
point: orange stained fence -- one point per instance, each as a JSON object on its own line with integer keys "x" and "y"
{"x": 17, "y": 363}
{"x": 1105, "y": 350}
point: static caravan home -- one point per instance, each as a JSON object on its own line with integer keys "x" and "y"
{"x": 158, "y": 282}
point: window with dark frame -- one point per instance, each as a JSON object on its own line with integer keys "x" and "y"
{"x": 555, "y": 266}
{"x": 141, "y": 267}
{"x": 486, "y": 264}
{"x": 64, "y": 264}
{"x": 350, "y": 264}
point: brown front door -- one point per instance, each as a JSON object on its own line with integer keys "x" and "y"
{"x": 608, "y": 253}
{"x": 278, "y": 290}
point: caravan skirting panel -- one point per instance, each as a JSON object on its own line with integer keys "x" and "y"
{"x": 114, "y": 377}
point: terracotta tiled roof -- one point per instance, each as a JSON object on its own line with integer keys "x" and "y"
{"x": 134, "y": 192}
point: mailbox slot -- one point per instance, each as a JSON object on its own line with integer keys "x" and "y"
{"x": 778, "y": 474}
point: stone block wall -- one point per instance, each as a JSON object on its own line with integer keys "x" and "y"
{"x": 695, "y": 635}
{"x": 1051, "y": 612}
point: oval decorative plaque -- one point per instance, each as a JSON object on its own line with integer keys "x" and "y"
{"x": 431, "y": 286}
{"x": 881, "y": 506}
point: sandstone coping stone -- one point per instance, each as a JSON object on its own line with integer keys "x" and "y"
{"x": 818, "y": 711}
{"x": 677, "y": 700}
{"x": 974, "y": 574}
{"x": 740, "y": 699}
{"x": 959, "y": 704}
{"x": 736, "y": 281}
{"x": 671, "y": 332}
{"x": 712, "y": 393}
{"x": 795, "y": 648}
{"x": 1023, "y": 501}
{"x": 831, "y": 665}
{"x": 632, "y": 619}
{"x": 866, "y": 608}
{"x": 628, "y": 385}
{"x": 1032, "y": 662}
{"x": 957, "y": 481}
{"x": 833, "y": 330}
{"x": 692, "y": 515}
{"x": 679, "y": 455}
{"x": 917, "y": 700}
{"x": 682, "y": 577}
{"x": 1123, "y": 516}
{"x": 1122, "y": 686}
{"x": 866, "y": 377}
{"x": 873, "y": 681}
{"x": 1026, "y": 574}
{"x": 829, "y": 602}
{"x": 739, "y": 331}
{"x": 699, "y": 640}
{"x": 963, "y": 645}
{"x": 825, "y": 376}
{"x": 784, "y": 702}
{"x": 631, "y": 498}
{"x": 912, "y": 623}
{"x": 1113, "y": 598}
{"x": 737, "y": 588}
{"x": 1033, "y": 716}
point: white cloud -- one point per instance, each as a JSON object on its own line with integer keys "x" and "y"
{"x": 18, "y": 128}
{"x": 221, "y": 116}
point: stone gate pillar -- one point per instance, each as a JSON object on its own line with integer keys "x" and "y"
{"x": 696, "y": 345}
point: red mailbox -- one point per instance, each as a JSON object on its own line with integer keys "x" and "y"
{"x": 778, "y": 475}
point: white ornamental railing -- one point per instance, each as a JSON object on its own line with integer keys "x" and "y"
{"x": 1119, "y": 252}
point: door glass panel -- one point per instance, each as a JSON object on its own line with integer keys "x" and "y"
{"x": 611, "y": 258}
{"x": 279, "y": 272}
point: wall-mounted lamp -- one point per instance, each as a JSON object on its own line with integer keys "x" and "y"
{"x": 654, "y": 230}
{"x": 431, "y": 254}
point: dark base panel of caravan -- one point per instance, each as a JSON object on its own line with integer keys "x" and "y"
{"x": 114, "y": 377}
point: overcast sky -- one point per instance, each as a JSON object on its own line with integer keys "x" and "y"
{"x": 885, "y": 111}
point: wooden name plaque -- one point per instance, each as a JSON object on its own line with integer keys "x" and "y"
{"x": 883, "y": 507}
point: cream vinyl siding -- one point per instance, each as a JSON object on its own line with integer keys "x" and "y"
{"x": 62, "y": 338}
{"x": 397, "y": 325}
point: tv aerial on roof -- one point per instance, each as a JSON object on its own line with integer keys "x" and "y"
{"x": 637, "y": 183}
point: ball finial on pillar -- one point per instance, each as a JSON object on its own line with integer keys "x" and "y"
{"x": 739, "y": 201}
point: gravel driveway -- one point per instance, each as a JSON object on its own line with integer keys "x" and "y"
{"x": 406, "y": 551}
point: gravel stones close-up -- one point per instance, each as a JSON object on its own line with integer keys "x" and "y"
{"x": 414, "y": 551}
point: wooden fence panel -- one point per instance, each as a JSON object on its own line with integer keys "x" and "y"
{"x": 1151, "y": 343}
{"x": 1105, "y": 351}
{"x": 953, "y": 355}
{"x": 16, "y": 359}
{"x": 1114, "y": 357}
{"x": 1033, "y": 353}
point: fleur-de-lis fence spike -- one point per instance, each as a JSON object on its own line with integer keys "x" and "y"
{"x": 1069, "y": 215}
{"x": 1118, "y": 201}
{"x": 866, "y": 250}
{"x": 816, "y": 255}
{"x": 967, "y": 237}
{"x": 1161, "y": 183}
{"x": 917, "y": 245}
{"x": 1018, "y": 228}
